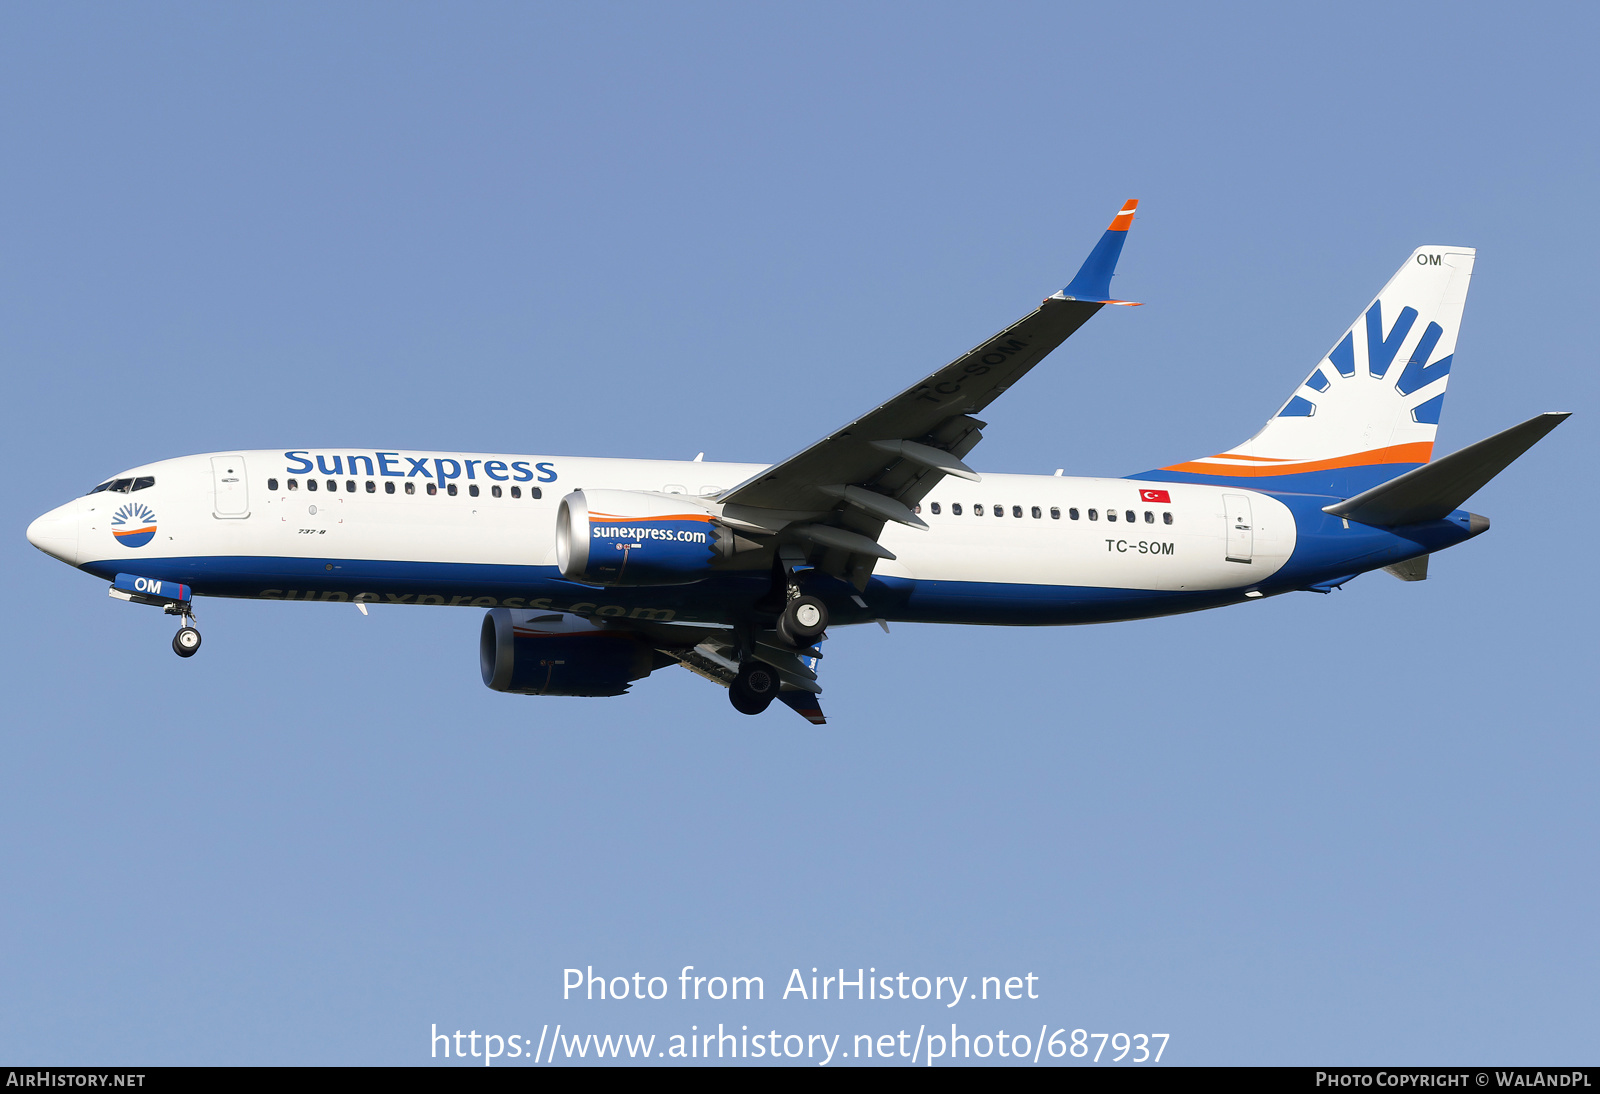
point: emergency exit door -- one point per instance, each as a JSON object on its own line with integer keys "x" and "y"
{"x": 1240, "y": 535}
{"x": 232, "y": 488}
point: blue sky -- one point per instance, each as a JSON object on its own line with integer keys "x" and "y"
{"x": 1348, "y": 829}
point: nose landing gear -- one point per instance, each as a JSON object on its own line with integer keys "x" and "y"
{"x": 172, "y": 597}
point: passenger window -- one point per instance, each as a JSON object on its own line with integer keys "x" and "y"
{"x": 349, "y": 486}
{"x": 1149, "y": 517}
{"x": 433, "y": 488}
{"x": 1111, "y": 514}
{"x": 144, "y": 482}
{"x": 999, "y": 510}
{"x": 294, "y": 484}
{"x": 1055, "y": 513}
{"x": 917, "y": 508}
{"x": 372, "y": 487}
{"x": 451, "y": 489}
{"x": 1094, "y": 514}
{"x": 1131, "y": 515}
{"x": 977, "y": 510}
{"x": 1016, "y": 511}
{"x": 472, "y": 490}
{"x": 516, "y": 491}
{"x": 955, "y": 509}
{"x": 1037, "y": 515}
{"x": 535, "y": 493}
{"x": 1166, "y": 518}
{"x": 935, "y": 508}
{"x": 272, "y": 484}
{"x": 311, "y": 484}
{"x": 1073, "y": 513}
{"x": 494, "y": 490}
{"x": 411, "y": 487}
{"x": 388, "y": 488}
{"x": 333, "y": 487}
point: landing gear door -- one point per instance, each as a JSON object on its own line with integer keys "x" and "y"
{"x": 232, "y": 488}
{"x": 1240, "y": 535}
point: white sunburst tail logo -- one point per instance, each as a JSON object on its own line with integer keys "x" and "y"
{"x": 1375, "y": 398}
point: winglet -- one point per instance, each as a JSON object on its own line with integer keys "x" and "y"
{"x": 1093, "y": 283}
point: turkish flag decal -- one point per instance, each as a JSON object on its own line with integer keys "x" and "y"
{"x": 1155, "y": 495}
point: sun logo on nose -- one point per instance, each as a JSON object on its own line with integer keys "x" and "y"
{"x": 134, "y": 524}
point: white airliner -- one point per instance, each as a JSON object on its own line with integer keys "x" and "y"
{"x": 597, "y": 572}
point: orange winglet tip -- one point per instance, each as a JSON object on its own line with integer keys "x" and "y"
{"x": 1123, "y": 220}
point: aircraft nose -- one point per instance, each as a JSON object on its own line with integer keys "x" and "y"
{"x": 56, "y": 534}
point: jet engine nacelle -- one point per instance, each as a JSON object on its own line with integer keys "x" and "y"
{"x": 629, "y": 537}
{"x": 552, "y": 653}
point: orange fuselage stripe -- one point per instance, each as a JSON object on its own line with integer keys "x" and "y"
{"x": 1415, "y": 452}
{"x": 637, "y": 520}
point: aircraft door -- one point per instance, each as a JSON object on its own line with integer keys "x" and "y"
{"x": 232, "y": 488}
{"x": 1240, "y": 535}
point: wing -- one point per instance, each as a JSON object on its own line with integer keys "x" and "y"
{"x": 836, "y": 495}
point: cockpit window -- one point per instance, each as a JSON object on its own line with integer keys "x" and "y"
{"x": 144, "y": 482}
{"x": 120, "y": 486}
{"x": 103, "y": 486}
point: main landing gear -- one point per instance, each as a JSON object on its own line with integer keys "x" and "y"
{"x": 803, "y": 620}
{"x": 753, "y": 690}
{"x": 800, "y": 626}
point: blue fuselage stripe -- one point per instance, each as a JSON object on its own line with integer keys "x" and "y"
{"x": 718, "y": 599}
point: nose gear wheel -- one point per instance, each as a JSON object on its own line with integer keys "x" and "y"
{"x": 186, "y": 643}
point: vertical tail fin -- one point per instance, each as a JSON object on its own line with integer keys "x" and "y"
{"x": 1370, "y": 409}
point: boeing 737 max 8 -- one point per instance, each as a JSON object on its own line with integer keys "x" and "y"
{"x": 597, "y": 572}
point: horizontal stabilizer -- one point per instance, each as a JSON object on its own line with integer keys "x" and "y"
{"x": 1412, "y": 569}
{"x": 1437, "y": 489}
